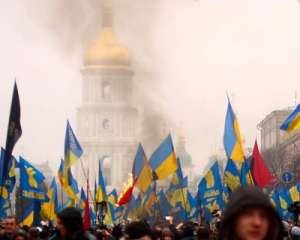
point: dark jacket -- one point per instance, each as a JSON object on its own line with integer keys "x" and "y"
{"x": 72, "y": 220}
{"x": 249, "y": 196}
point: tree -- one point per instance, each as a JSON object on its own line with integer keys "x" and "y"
{"x": 280, "y": 160}
{"x": 21, "y": 203}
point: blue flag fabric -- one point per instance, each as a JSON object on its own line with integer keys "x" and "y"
{"x": 232, "y": 138}
{"x": 30, "y": 180}
{"x": 231, "y": 175}
{"x": 210, "y": 189}
{"x": 31, "y": 215}
{"x": 163, "y": 161}
{"x": 292, "y": 122}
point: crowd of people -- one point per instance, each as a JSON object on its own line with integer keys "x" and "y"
{"x": 249, "y": 215}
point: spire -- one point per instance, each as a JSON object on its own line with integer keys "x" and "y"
{"x": 107, "y": 14}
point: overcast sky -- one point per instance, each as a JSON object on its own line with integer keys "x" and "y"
{"x": 185, "y": 54}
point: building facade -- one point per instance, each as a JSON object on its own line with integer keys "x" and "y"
{"x": 271, "y": 135}
{"x": 107, "y": 123}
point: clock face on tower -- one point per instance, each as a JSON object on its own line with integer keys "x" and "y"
{"x": 105, "y": 124}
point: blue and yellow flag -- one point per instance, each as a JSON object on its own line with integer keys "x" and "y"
{"x": 112, "y": 199}
{"x": 232, "y": 138}
{"x": 141, "y": 170}
{"x": 165, "y": 206}
{"x": 163, "y": 161}
{"x": 246, "y": 176}
{"x": 274, "y": 199}
{"x": 284, "y": 202}
{"x": 274, "y": 189}
{"x": 72, "y": 188}
{"x": 148, "y": 199}
{"x": 210, "y": 189}
{"x": 30, "y": 180}
{"x": 31, "y": 215}
{"x": 73, "y": 151}
{"x": 69, "y": 203}
{"x": 81, "y": 203}
{"x": 231, "y": 175}
{"x": 10, "y": 177}
{"x": 294, "y": 193}
{"x": 292, "y": 122}
{"x": 101, "y": 190}
{"x": 193, "y": 211}
{"x": 50, "y": 208}
{"x": 93, "y": 217}
{"x": 177, "y": 176}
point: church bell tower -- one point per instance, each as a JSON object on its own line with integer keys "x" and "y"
{"x": 106, "y": 120}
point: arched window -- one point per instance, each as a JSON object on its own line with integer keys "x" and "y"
{"x": 106, "y": 90}
{"x": 106, "y": 167}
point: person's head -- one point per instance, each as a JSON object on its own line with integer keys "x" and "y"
{"x": 33, "y": 233}
{"x": 11, "y": 224}
{"x": 19, "y": 234}
{"x": 188, "y": 231}
{"x": 285, "y": 228}
{"x": 117, "y": 232}
{"x": 25, "y": 228}
{"x": 249, "y": 215}
{"x": 44, "y": 235}
{"x": 203, "y": 233}
{"x": 137, "y": 230}
{"x": 69, "y": 222}
{"x": 167, "y": 234}
{"x": 295, "y": 232}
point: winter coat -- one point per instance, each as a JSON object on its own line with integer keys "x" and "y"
{"x": 249, "y": 196}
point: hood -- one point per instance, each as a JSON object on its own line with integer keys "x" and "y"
{"x": 249, "y": 196}
{"x": 72, "y": 220}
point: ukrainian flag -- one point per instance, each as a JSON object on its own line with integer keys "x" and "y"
{"x": 73, "y": 151}
{"x": 81, "y": 204}
{"x": 232, "y": 138}
{"x": 50, "y": 208}
{"x": 31, "y": 215}
{"x": 292, "y": 122}
{"x": 141, "y": 170}
{"x": 101, "y": 191}
{"x": 72, "y": 188}
{"x": 163, "y": 160}
{"x": 246, "y": 176}
{"x": 177, "y": 176}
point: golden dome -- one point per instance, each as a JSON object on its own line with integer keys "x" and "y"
{"x": 107, "y": 52}
{"x": 181, "y": 136}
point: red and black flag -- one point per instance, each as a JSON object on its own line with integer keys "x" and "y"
{"x": 258, "y": 168}
{"x": 14, "y": 130}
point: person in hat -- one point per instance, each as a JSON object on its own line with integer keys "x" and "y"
{"x": 70, "y": 225}
{"x": 249, "y": 215}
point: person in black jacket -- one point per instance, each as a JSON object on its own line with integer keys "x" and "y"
{"x": 249, "y": 215}
{"x": 70, "y": 225}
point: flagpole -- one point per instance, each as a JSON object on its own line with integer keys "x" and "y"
{"x": 123, "y": 213}
{"x": 94, "y": 202}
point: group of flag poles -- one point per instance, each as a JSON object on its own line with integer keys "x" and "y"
{"x": 162, "y": 163}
